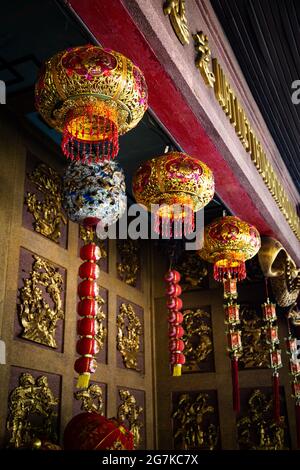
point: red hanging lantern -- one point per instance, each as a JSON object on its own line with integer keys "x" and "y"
{"x": 91, "y": 431}
{"x": 176, "y": 332}
{"x": 92, "y": 95}
{"x": 228, "y": 243}
{"x": 173, "y": 187}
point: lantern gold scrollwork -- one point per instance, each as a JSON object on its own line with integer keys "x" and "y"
{"x": 92, "y": 95}
{"x": 173, "y": 186}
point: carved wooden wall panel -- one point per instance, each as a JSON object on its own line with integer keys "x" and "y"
{"x": 43, "y": 210}
{"x": 130, "y": 335}
{"x": 129, "y": 262}
{"x": 33, "y": 407}
{"x": 41, "y": 301}
{"x": 19, "y": 242}
{"x": 196, "y": 420}
{"x": 256, "y": 429}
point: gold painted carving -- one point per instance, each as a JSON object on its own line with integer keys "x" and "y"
{"x": 91, "y": 399}
{"x": 36, "y": 316}
{"x": 129, "y": 266}
{"x": 87, "y": 235}
{"x": 48, "y": 214}
{"x": 129, "y": 411}
{"x": 255, "y": 353}
{"x": 203, "y": 58}
{"x": 128, "y": 336}
{"x": 257, "y": 430}
{"x": 32, "y": 398}
{"x": 176, "y": 11}
{"x": 193, "y": 271}
{"x": 198, "y": 337}
{"x": 284, "y": 275}
{"x": 193, "y": 429}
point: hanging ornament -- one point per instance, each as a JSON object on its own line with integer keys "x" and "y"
{"x": 94, "y": 190}
{"x": 179, "y": 184}
{"x": 228, "y": 243}
{"x": 294, "y": 365}
{"x": 92, "y": 95}
{"x": 270, "y": 317}
{"x": 176, "y": 332}
{"x": 88, "y": 306}
{"x": 91, "y": 431}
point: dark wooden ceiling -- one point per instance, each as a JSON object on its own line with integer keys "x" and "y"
{"x": 265, "y": 37}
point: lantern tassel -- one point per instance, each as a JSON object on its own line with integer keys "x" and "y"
{"x": 297, "y": 409}
{"x": 276, "y": 397}
{"x": 177, "y": 370}
{"x": 235, "y": 384}
{"x": 83, "y": 380}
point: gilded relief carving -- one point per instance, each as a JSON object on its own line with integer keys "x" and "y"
{"x": 101, "y": 331}
{"x": 48, "y": 214}
{"x": 128, "y": 336}
{"x": 129, "y": 266}
{"x": 87, "y": 235}
{"x": 197, "y": 338}
{"x": 130, "y": 411}
{"x": 37, "y": 317}
{"x": 203, "y": 58}
{"x": 91, "y": 399}
{"x": 193, "y": 271}
{"x": 193, "y": 428}
{"x": 176, "y": 11}
{"x": 255, "y": 352}
{"x": 257, "y": 430}
{"x": 31, "y": 398}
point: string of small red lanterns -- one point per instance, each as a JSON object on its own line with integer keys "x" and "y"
{"x": 175, "y": 319}
{"x": 87, "y": 308}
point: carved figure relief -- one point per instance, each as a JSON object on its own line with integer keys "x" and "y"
{"x": 91, "y": 399}
{"x": 37, "y": 317}
{"x": 197, "y": 338}
{"x": 31, "y": 397}
{"x": 129, "y": 266}
{"x": 129, "y": 330}
{"x": 48, "y": 214}
{"x": 257, "y": 429}
{"x": 193, "y": 428}
{"x": 129, "y": 411}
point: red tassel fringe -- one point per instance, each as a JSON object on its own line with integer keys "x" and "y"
{"x": 235, "y": 384}
{"x": 237, "y": 272}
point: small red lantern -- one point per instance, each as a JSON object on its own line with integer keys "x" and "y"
{"x": 232, "y": 313}
{"x": 91, "y": 431}
{"x": 88, "y": 288}
{"x": 86, "y": 326}
{"x": 175, "y": 317}
{"x": 174, "y": 303}
{"x": 90, "y": 252}
{"x": 87, "y": 346}
{"x": 85, "y": 365}
{"x": 89, "y": 270}
{"x": 87, "y": 307}
{"x": 269, "y": 311}
{"x": 174, "y": 290}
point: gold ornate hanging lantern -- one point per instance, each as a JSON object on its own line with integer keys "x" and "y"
{"x": 228, "y": 243}
{"x": 92, "y": 95}
{"x": 173, "y": 186}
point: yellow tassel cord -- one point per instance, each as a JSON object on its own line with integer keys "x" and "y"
{"x": 177, "y": 370}
{"x": 83, "y": 380}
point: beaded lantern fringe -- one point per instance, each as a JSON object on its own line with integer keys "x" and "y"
{"x": 90, "y": 134}
{"x": 236, "y": 272}
{"x": 171, "y": 223}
